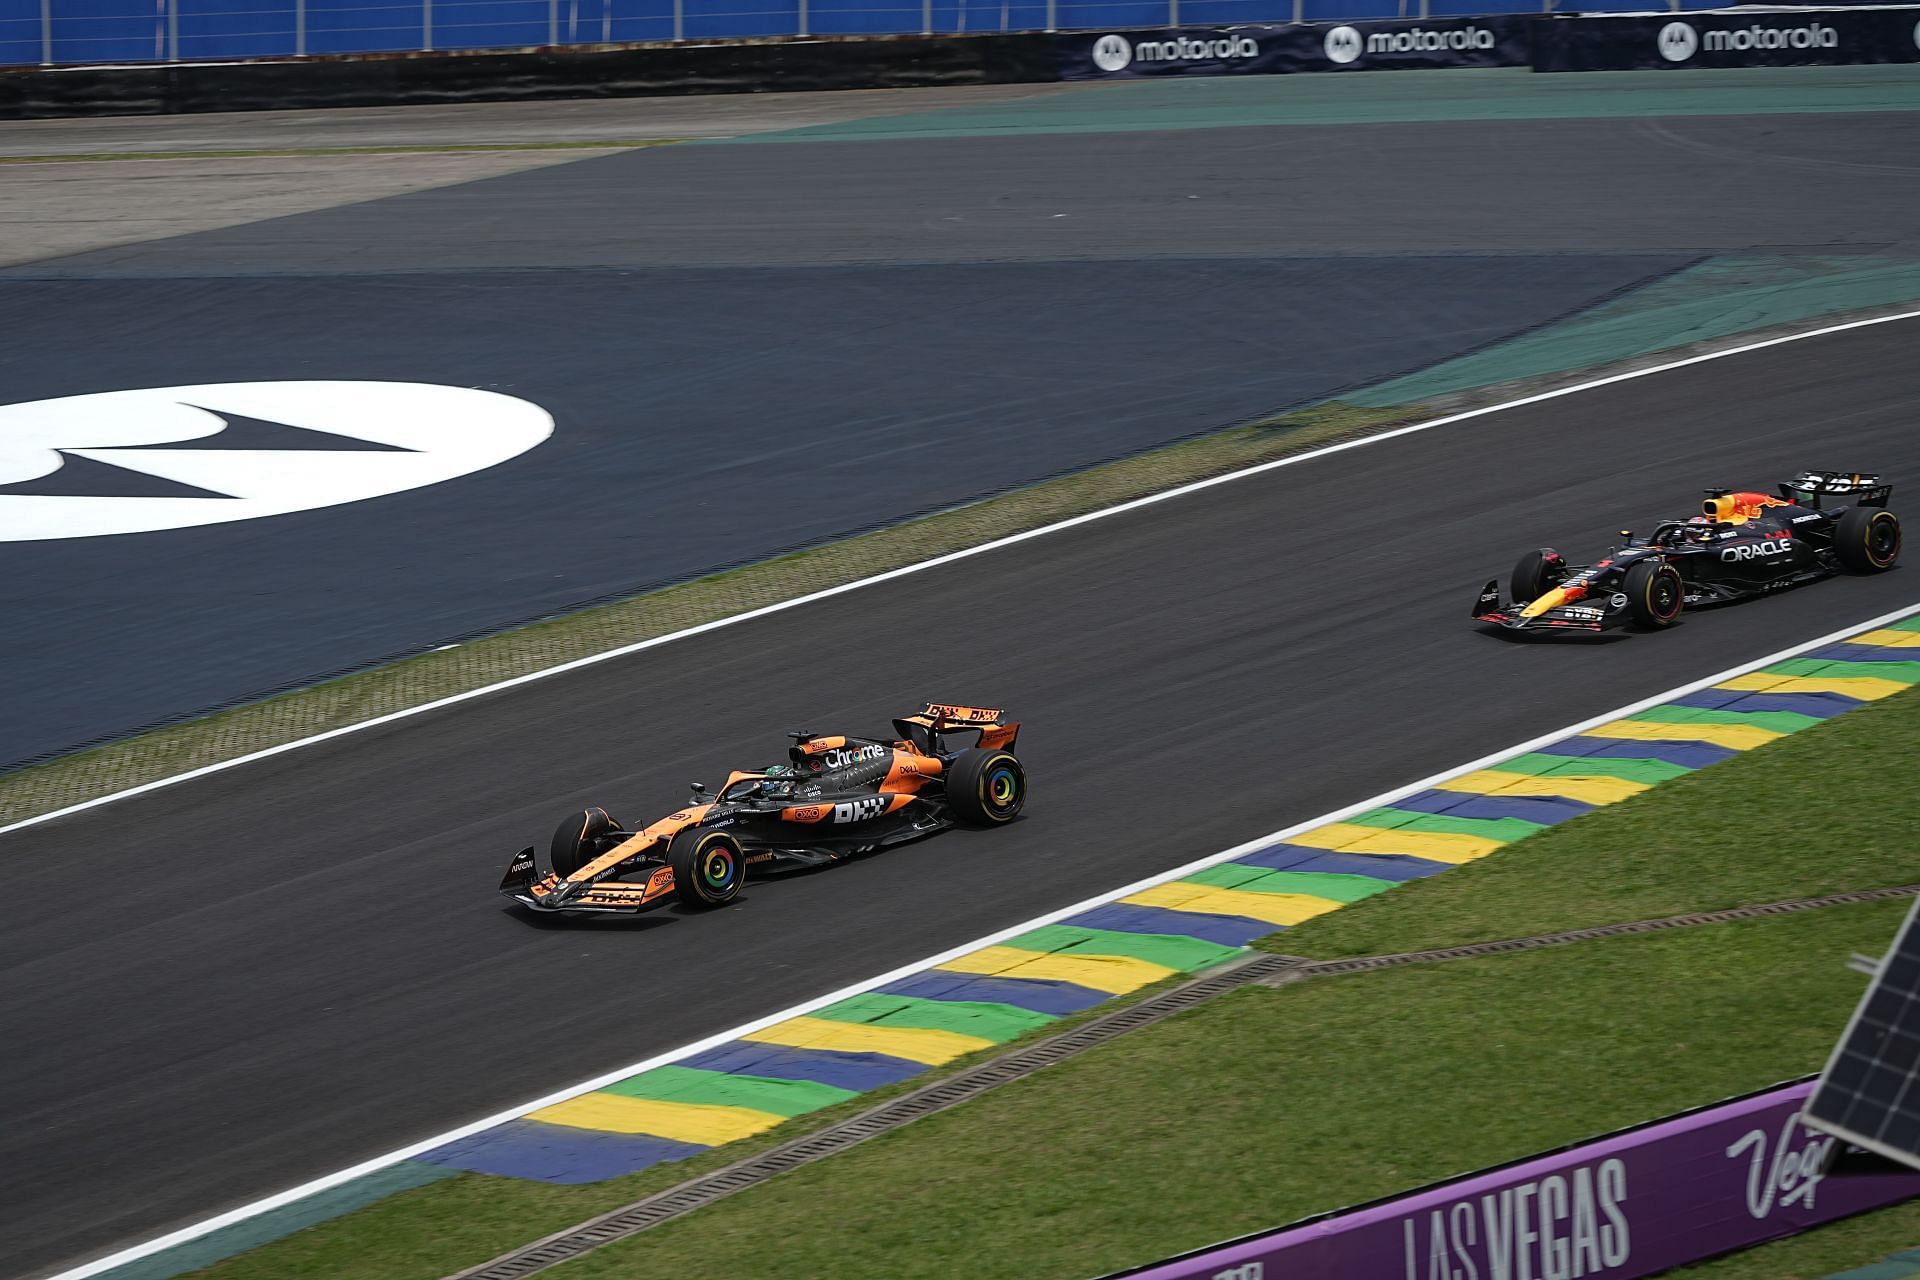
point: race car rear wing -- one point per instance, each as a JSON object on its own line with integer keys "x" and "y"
{"x": 937, "y": 721}
{"x": 1810, "y": 487}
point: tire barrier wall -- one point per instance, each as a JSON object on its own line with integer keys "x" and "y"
{"x": 1499, "y": 40}
{"x": 1632, "y": 1204}
{"x": 908, "y": 63}
{"x": 1798, "y": 37}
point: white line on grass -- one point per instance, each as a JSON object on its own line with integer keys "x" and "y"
{"x": 332, "y": 1180}
{"x": 937, "y": 561}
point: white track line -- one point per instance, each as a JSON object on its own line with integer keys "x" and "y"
{"x": 949, "y": 558}
{"x": 820, "y": 1002}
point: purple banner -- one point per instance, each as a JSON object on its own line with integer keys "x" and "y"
{"x": 1633, "y": 1204}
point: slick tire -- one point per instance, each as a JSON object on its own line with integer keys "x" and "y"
{"x": 708, "y": 868}
{"x": 575, "y": 840}
{"x": 1867, "y": 539}
{"x": 1535, "y": 575}
{"x": 986, "y": 788}
{"x": 1655, "y": 595}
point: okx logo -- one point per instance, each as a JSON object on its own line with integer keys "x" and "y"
{"x": 1678, "y": 42}
{"x": 172, "y": 457}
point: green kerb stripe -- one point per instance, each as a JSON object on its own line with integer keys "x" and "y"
{"x": 1540, "y": 764}
{"x": 1905, "y": 624}
{"x": 1505, "y": 830}
{"x": 1167, "y": 949}
{"x": 718, "y": 1089}
{"x": 1777, "y": 721}
{"x": 1320, "y": 884}
{"x": 1905, "y": 672}
{"x": 996, "y": 1022}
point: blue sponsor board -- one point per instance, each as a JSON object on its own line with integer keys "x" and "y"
{"x": 1791, "y": 38}
{"x": 1497, "y": 40}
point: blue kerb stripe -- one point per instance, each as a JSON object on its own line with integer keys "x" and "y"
{"x": 1057, "y": 998}
{"x": 1125, "y": 917}
{"x": 1823, "y": 705}
{"x": 857, "y": 1071}
{"x": 557, "y": 1153}
{"x": 1862, "y": 653}
{"x": 1545, "y": 810}
{"x": 1691, "y": 755}
{"x": 1381, "y": 866}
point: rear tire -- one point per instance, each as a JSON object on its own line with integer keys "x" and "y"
{"x": 1867, "y": 539}
{"x": 576, "y": 839}
{"x": 708, "y": 868}
{"x": 1537, "y": 573}
{"x": 986, "y": 788}
{"x": 1655, "y": 594}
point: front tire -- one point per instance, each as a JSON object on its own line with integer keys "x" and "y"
{"x": 1537, "y": 573}
{"x": 986, "y": 788}
{"x": 1867, "y": 539}
{"x": 576, "y": 839}
{"x": 708, "y": 868}
{"x": 1655, "y": 594}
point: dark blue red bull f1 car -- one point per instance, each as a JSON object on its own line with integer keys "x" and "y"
{"x": 1741, "y": 545}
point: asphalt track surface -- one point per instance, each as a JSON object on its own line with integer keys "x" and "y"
{"x": 921, "y": 322}
{"x": 220, "y": 989}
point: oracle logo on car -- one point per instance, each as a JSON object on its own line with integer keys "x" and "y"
{"x": 1771, "y": 547}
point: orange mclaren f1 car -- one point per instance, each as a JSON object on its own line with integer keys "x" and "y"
{"x": 833, "y": 798}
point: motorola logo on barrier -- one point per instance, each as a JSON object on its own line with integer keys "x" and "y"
{"x": 1678, "y": 42}
{"x": 1346, "y": 44}
{"x": 172, "y": 457}
{"x": 1112, "y": 53}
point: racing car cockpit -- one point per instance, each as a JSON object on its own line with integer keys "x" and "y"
{"x": 1680, "y": 533}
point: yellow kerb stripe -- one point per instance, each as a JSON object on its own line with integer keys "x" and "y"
{"x": 1890, "y": 639}
{"x": 1866, "y": 688}
{"x": 915, "y": 1044}
{"x": 1437, "y": 846}
{"x": 1740, "y": 737}
{"x": 1113, "y": 974}
{"x": 1274, "y": 908}
{"x": 1589, "y": 790}
{"x": 678, "y": 1121}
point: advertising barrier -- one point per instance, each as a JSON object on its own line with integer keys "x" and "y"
{"x": 1797, "y": 37}
{"x": 1498, "y": 40}
{"x": 1632, "y": 1204}
{"x": 787, "y": 66}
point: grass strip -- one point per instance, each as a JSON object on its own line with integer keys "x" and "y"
{"x": 336, "y": 704}
{"x": 1829, "y": 809}
{"x": 1267, "y": 1105}
{"x": 247, "y": 153}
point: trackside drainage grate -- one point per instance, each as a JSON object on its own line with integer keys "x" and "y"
{"x": 1265, "y": 969}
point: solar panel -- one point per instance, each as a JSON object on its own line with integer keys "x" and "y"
{"x": 1869, "y": 1095}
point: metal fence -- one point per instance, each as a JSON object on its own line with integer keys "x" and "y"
{"x": 51, "y": 32}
